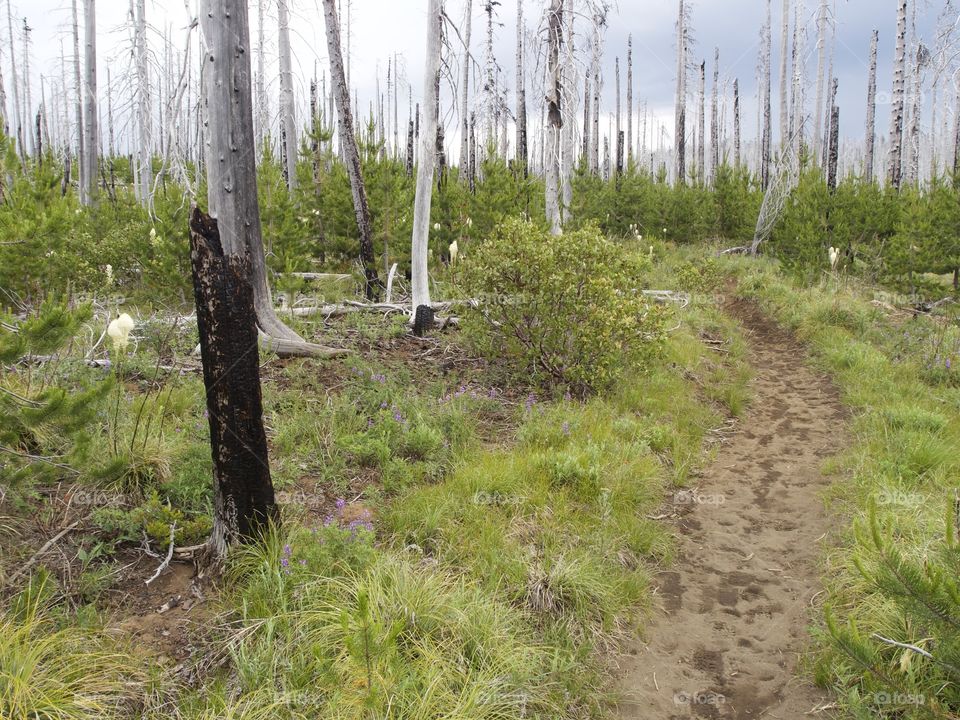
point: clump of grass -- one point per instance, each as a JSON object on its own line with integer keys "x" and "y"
{"x": 66, "y": 673}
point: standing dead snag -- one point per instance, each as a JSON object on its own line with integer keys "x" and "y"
{"x": 243, "y": 491}
{"x": 351, "y": 153}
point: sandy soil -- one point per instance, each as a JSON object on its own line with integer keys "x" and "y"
{"x": 736, "y": 604}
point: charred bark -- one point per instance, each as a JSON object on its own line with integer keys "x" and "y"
{"x": 243, "y": 492}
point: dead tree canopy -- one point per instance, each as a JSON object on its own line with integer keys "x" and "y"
{"x": 243, "y": 491}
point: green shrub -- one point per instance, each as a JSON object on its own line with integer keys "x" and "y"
{"x": 566, "y": 309}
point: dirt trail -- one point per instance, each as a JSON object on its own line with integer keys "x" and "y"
{"x": 736, "y": 604}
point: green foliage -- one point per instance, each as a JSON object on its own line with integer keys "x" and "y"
{"x": 44, "y": 428}
{"x": 565, "y": 309}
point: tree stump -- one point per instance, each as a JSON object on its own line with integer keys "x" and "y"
{"x": 423, "y": 320}
{"x": 243, "y": 491}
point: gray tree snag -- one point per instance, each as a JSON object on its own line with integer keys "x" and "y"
{"x": 242, "y": 489}
{"x": 587, "y": 123}
{"x": 821, "y": 69}
{"x": 702, "y": 124}
{"x": 464, "y": 167}
{"x": 420, "y": 242}
{"x": 784, "y": 61}
{"x": 568, "y": 133}
{"x": 521, "y": 150}
{"x": 78, "y": 105}
{"x": 895, "y": 163}
{"x": 143, "y": 112}
{"x": 871, "y": 131}
{"x": 554, "y": 115}
{"x": 599, "y": 22}
{"x": 262, "y": 109}
{"x": 680, "y": 108}
{"x": 833, "y": 145}
{"x": 715, "y": 118}
{"x": 736, "y": 123}
{"x": 288, "y": 115}
{"x": 91, "y": 130}
{"x": 629, "y": 99}
{"x": 767, "y": 125}
{"x": 618, "y": 150}
{"x": 231, "y": 161}
{"x": 350, "y": 151}
{"x": 17, "y": 125}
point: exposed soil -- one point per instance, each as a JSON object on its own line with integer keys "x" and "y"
{"x": 737, "y": 602}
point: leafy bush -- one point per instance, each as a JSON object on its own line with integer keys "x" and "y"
{"x": 567, "y": 309}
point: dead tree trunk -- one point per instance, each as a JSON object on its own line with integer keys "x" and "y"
{"x": 420, "y": 242}
{"x": 78, "y": 107}
{"x": 715, "y": 117}
{"x": 629, "y": 99}
{"x": 17, "y": 124}
{"x": 598, "y": 21}
{"x": 231, "y": 168}
{"x": 554, "y": 116}
{"x": 736, "y": 123}
{"x": 871, "y": 136}
{"x": 288, "y": 119}
{"x": 821, "y": 68}
{"x": 767, "y": 130}
{"x": 617, "y": 150}
{"x": 895, "y": 171}
{"x": 144, "y": 149}
{"x": 702, "y": 124}
{"x": 464, "y": 169}
{"x": 680, "y": 107}
{"x": 521, "y": 96}
{"x": 833, "y": 151}
{"x": 784, "y": 63}
{"x": 91, "y": 123}
{"x": 568, "y": 134}
{"x": 243, "y": 497}
{"x": 351, "y": 153}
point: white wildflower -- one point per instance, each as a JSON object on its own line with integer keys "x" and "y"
{"x": 119, "y": 331}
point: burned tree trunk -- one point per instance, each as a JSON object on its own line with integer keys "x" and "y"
{"x": 243, "y": 492}
{"x": 288, "y": 121}
{"x": 521, "y": 96}
{"x": 895, "y": 171}
{"x": 231, "y": 170}
{"x": 464, "y": 168}
{"x": 554, "y": 116}
{"x": 871, "y": 136}
{"x": 680, "y": 111}
{"x": 351, "y": 153}
{"x": 91, "y": 131}
{"x": 833, "y": 146}
{"x": 736, "y": 123}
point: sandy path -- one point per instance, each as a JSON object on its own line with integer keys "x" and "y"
{"x": 736, "y": 604}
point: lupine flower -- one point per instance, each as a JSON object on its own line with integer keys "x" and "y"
{"x": 341, "y": 503}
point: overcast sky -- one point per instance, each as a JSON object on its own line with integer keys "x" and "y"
{"x": 381, "y": 28}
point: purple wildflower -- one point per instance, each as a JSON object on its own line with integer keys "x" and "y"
{"x": 948, "y": 363}
{"x": 284, "y": 562}
{"x": 566, "y": 428}
{"x": 341, "y": 504}
{"x": 287, "y": 550}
